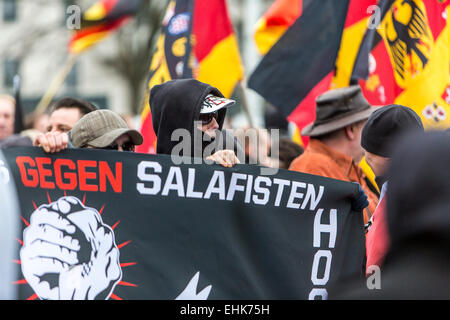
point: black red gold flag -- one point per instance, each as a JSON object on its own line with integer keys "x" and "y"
{"x": 303, "y": 60}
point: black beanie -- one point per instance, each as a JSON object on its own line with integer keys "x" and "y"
{"x": 385, "y": 125}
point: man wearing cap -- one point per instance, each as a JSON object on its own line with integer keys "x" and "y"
{"x": 196, "y": 111}
{"x": 383, "y": 128}
{"x": 100, "y": 129}
{"x": 334, "y": 149}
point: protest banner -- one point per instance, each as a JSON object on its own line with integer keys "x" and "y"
{"x": 115, "y": 225}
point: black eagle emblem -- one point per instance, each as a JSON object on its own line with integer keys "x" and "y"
{"x": 408, "y": 37}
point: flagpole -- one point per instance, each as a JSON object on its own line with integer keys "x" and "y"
{"x": 18, "y": 115}
{"x": 245, "y": 104}
{"x": 56, "y": 84}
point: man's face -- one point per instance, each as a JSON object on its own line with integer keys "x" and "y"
{"x": 63, "y": 119}
{"x": 42, "y": 123}
{"x": 7, "y": 109}
{"x": 358, "y": 151}
{"x": 210, "y": 127}
{"x": 122, "y": 143}
{"x": 378, "y": 164}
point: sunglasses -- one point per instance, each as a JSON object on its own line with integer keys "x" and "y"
{"x": 206, "y": 118}
{"x": 127, "y": 146}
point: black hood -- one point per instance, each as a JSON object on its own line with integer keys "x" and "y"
{"x": 418, "y": 199}
{"x": 175, "y": 105}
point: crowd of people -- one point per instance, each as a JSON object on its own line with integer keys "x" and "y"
{"x": 403, "y": 223}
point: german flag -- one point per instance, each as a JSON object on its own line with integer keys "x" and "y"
{"x": 274, "y": 23}
{"x": 408, "y": 59}
{"x": 361, "y": 15}
{"x": 301, "y": 64}
{"x": 100, "y": 20}
{"x": 197, "y": 41}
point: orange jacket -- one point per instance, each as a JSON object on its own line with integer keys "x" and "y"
{"x": 321, "y": 160}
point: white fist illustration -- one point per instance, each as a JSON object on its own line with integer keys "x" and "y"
{"x": 69, "y": 253}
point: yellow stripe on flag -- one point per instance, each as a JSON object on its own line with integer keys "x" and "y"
{"x": 426, "y": 90}
{"x": 222, "y": 67}
{"x": 369, "y": 173}
{"x": 351, "y": 41}
{"x": 96, "y": 12}
{"x": 159, "y": 70}
{"x": 265, "y": 37}
{"x": 81, "y": 44}
{"x": 297, "y": 137}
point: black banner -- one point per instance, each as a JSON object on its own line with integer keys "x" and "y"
{"x": 114, "y": 225}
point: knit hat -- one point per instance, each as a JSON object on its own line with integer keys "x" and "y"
{"x": 385, "y": 125}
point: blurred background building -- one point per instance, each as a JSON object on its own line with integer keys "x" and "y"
{"x": 34, "y": 41}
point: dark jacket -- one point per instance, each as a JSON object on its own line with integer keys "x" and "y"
{"x": 175, "y": 105}
{"x": 16, "y": 140}
{"x": 417, "y": 265}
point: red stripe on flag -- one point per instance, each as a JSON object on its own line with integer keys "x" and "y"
{"x": 283, "y": 12}
{"x": 305, "y": 112}
{"x": 436, "y": 16}
{"x": 380, "y": 88}
{"x": 211, "y": 25}
{"x": 105, "y": 27}
{"x": 359, "y": 9}
{"x": 148, "y": 146}
{"x": 109, "y": 4}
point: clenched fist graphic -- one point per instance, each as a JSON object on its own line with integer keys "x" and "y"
{"x": 68, "y": 253}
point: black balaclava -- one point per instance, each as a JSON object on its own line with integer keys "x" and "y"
{"x": 175, "y": 105}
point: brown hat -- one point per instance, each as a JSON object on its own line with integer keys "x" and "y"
{"x": 100, "y": 128}
{"x": 338, "y": 108}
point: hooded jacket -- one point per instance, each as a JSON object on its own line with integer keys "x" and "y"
{"x": 176, "y": 105}
{"x": 419, "y": 188}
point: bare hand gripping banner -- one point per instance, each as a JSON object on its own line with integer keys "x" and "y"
{"x": 114, "y": 225}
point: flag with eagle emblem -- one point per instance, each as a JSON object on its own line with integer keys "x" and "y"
{"x": 408, "y": 61}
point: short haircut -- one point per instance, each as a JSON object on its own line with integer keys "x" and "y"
{"x": 8, "y": 98}
{"x": 82, "y": 105}
{"x": 288, "y": 151}
{"x": 335, "y": 133}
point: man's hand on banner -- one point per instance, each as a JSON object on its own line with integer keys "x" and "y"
{"x": 360, "y": 201}
{"x": 52, "y": 142}
{"x": 226, "y": 158}
{"x": 68, "y": 253}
